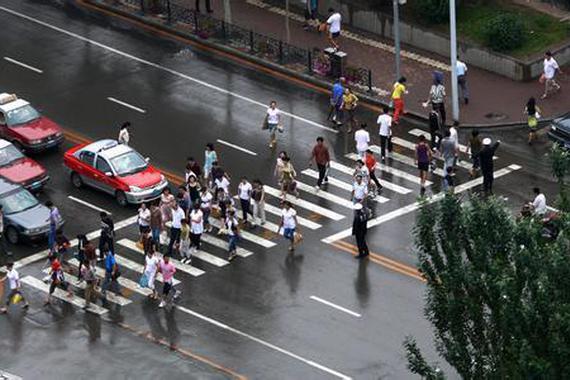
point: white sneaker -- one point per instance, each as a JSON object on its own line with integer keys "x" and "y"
{"x": 317, "y": 187}
{"x": 161, "y": 304}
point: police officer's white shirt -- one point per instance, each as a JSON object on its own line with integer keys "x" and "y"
{"x": 360, "y": 190}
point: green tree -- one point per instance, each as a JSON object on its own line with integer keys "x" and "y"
{"x": 560, "y": 161}
{"x": 498, "y": 292}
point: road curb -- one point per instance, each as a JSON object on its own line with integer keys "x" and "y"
{"x": 374, "y": 103}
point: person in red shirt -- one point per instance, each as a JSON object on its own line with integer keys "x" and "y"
{"x": 370, "y": 162}
{"x": 322, "y": 158}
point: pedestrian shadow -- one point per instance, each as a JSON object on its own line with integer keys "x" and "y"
{"x": 362, "y": 284}
{"x": 292, "y": 271}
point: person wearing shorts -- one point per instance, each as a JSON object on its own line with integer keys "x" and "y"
{"x": 334, "y": 25}
{"x": 288, "y": 224}
{"x": 15, "y": 287}
{"x": 273, "y": 119}
{"x": 423, "y": 159}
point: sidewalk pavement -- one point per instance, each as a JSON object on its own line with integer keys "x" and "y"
{"x": 494, "y": 100}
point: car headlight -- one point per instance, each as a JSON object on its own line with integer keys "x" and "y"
{"x": 33, "y": 230}
{"x": 36, "y": 141}
{"x": 135, "y": 189}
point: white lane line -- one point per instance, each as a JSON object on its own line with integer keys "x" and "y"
{"x": 263, "y": 342}
{"x": 462, "y": 148}
{"x": 193, "y": 271}
{"x": 328, "y": 303}
{"x": 304, "y": 204}
{"x": 111, "y": 297}
{"x": 223, "y": 142}
{"x": 393, "y": 171}
{"x": 247, "y": 236}
{"x": 241, "y": 252}
{"x": 85, "y": 203}
{"x": 388, "y": 185}
{"x": 125, "y": 104}
{"x": 42, "y": 255}
{"x": 325, "y": 195}
{"x": 340, "y": 184}
{"x": 123, "y": 281}
{"x": 22, "y": 64}
{"x": 410, "y": 145}
{"x": 62, "y": 295}
{"x": 416, "y": 205}
{"x": 302, "y": 221}
{"x": 160, "y": 67}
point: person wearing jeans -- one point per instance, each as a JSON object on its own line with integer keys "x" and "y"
{"x": 321, "y": 156}
{"x": 258, "y": 197}
{"x": 177, "y": 216}
{"x": 244, "y": 193}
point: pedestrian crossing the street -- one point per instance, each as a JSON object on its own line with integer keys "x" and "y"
{"x": 315, "y": 208}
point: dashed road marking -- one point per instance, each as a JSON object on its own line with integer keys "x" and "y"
{"x": 335, "y": 306}
{"x": 22, "y": 64}
{"x": 125, "y": 104}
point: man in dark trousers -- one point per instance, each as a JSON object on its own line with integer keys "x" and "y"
{"x": 486, "y": 161}
{"x": 359, "y": 229}
{"x": 107, "y": 234}
{"x": 322, "y": 158}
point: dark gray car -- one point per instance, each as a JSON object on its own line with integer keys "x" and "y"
{"x": 560, "y": 131}
{"x": 25, "y": 218}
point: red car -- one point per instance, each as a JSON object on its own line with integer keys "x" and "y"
{"x": 17, "y": 168}
{"x": 116, "y": 169}
{"x": 25, "y": 127}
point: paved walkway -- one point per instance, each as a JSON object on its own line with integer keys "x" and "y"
{"x": 491, "y": 94}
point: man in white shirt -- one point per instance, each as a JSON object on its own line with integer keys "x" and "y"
{"x": 177, "y": 216}
{"x": 384, "y": 130}
{"x": 244, "y": 193}
{"x": 334, "y": 25}
{"x": 15, "y": 287}
{"x": 289, "y": 224}
{"x": 461, "y": 70}
{"x": 359, "y": 190}
{"x": 362, "y": 138}
{"x": 550, "y": 68}
{"x": 539, "y": 203}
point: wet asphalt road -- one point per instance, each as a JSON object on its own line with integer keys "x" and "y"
{"x": 190, "y": 99}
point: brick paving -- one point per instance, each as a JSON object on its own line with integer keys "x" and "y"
{"x": 491, "y": 94}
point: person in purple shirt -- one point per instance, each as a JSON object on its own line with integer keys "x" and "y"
{"x": 423, "y": 158}
{"x": 336, "y": 101}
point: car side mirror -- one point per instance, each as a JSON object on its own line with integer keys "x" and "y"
{"x": 108, "y": 174}
{"x": 147, "y": 159}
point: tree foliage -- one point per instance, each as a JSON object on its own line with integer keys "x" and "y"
{"x": 505, "y": 31}
{"x": 560, "y": 162}
{"x": 498, "y": 292}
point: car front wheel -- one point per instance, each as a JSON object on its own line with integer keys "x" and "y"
{"x": 121, "y": 199}
{"x": 76, "y": 180}
{"x": 12, "y": 235}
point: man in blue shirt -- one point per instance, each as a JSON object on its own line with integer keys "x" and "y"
{"x": 336, "y": 101}
{"x": 111, "y": 273}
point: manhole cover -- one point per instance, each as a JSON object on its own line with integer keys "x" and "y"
{"x": 496, "y": 116}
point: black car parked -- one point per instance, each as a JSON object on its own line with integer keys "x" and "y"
{"x": 560, "y": 131}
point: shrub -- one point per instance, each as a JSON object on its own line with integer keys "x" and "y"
{"x": 432, "y": 11}
{"x": 504, "y": 32}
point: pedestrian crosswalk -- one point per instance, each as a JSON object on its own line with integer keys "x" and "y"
{"x": 315, "y": 208}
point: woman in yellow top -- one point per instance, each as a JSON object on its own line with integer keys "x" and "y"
{"x": 349, "y": 103}
{"x": 398, "y": 99}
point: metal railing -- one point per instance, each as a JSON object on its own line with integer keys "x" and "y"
{"x": 313, "y": 62}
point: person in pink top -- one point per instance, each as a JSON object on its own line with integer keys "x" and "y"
{"x": 168, "y": 270}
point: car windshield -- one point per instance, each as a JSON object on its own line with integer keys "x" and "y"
{"x": 21, "y": 115}
{"x": 128, "y": 163}
{"x": 9, "y": 154}
{"x": 18, "y": 201}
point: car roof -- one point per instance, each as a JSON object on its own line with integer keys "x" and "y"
{"x": 13, "y": 105}
{"x": 6, "y": 186}
{"x": 4, "y": 143}
{"x": 107, "y": 148}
